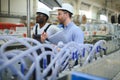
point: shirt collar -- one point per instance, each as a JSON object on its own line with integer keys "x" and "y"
{"x": 68, "y": 25}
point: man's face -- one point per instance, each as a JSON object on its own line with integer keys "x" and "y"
{"x": 41, "y": 18}
{"x": 61, "y": 16}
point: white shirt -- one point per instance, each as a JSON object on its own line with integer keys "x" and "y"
{"x": 50, "y": 31}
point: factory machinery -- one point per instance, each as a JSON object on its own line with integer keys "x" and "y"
{"x": 19, "y": 64}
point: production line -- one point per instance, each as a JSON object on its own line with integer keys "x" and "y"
{"x": 59, "y": 40}
{"x": 15, "y": 61}
{"x": 19, "y": 58}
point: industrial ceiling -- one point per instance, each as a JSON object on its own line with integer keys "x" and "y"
{"x": 113, "y": 5}
{"x": 108, "y": 4}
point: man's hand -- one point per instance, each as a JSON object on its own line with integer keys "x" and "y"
{"x": 44, "y": 36}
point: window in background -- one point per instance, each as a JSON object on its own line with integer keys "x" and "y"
{"x": 103, "y": 18}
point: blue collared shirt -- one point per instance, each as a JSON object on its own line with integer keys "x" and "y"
{"x": 73, "y": 33}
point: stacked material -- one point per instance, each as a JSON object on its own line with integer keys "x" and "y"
{"x": 107, "y": 67}
{"x": 20, "y": 64}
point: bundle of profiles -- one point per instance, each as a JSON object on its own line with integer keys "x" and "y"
{"x": 44, "y": 60}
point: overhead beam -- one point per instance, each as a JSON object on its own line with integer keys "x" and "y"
{"x": 96, "y": 5}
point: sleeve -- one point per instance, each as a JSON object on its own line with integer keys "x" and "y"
{"x": 52, "y": 30}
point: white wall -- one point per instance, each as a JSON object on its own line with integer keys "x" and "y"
{"x": 94, "y": 12}
{"x": 17, "y": 7}
{"x": 4, "y": 6}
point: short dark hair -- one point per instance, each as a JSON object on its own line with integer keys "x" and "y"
{"x": 70, "y": 14}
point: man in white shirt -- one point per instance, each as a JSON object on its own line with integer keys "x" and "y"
{"x": 42, "y": 29}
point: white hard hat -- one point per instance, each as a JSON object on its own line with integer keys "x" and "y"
{"x": 67, "y": 7}
{"x": 44, "y": 11}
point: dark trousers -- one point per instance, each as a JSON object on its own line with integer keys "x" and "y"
{"x": 41, "y": 63}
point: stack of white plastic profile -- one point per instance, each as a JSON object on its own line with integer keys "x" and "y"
{"x": 19, "y": 64}
{"x": 107, "y": 67}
